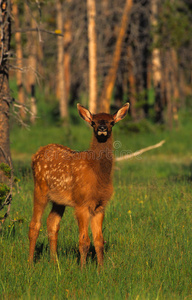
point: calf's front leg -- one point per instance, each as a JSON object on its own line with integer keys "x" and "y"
{"x": 96, "y": 227}
{"x": 83, "y": 216}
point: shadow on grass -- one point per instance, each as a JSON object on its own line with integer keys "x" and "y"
{"x": 184, "y": 173}
{"x": 73, "y": 250}
{"x": 39, "y": 249}
{"x": 188, "y": 171}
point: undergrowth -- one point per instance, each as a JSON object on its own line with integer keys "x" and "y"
{"x": 147, "y": 226}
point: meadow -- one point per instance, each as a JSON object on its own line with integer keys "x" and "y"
{"x": 147, "y": 226}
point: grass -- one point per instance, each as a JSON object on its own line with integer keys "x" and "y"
{"x": 147, "y": 227}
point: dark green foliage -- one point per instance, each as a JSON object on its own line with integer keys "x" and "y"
{"x": 4, "y": 191}
{"x": 174, "y": 27}
{"x": 6, "y": 169}
{"x": 143, "y": 125}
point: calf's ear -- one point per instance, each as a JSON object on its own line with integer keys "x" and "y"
{"x": 84, "y": 113}
{"x": 121, "y": 113}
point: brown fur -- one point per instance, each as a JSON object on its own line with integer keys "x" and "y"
{"x": 82, "y": 180}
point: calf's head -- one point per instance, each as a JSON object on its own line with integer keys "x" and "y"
{"x": 102, "y": 123}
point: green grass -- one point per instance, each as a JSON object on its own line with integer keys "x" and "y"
{"x": 147, "y": 226}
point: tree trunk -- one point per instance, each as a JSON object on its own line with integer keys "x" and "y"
{"x": 67, "y": 54}
{"x": 104, "y": 102}
{"x": 19, "y": 61}
{"x": 132, "y": 83}
{"x": 182, "y": 87}
{"x": 171, "y": 84}
{"x": 5, "y": 99}
{"x": 28, "y": 45}
{"x": 32, "y": 71}
{"x": 168, "y": 88}
{"x": 91, "y": 13}
{"x": 32, "y": 62}
{"x": 60, "y": 64}
{"x": 175, "y": 84}
{"x": 40, "y": 59}
{"x": 156, "y": 65}
{"x": 105, "y": 7}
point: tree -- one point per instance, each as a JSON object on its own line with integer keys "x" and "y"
{"x": 123, "y": 56}
{"x": 19, "y": 60}
{"x": 172, "y": 36}
{"x": 132, "y": 83}
{"x": 92, "y": 44}
{"x": 32, "y": 64}
{"x": 5, "y": 98}
{"x": 67, "y": 54}
{"x": 111, "y": 76}
{"x": 156, "y": 64}
{"x": 32, "y": 60}
{"x": 61, "y": 90}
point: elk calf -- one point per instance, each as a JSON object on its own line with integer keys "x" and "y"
{"x": 82, "y": 180}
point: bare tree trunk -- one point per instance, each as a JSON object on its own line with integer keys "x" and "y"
{"x": 28, "y": 35}
{"x": 32, "y": 71}
{"x": 60, "y": 64}
{"x": 168, "y": 88}
{"x": 175, "y": 84}
{"x": 5, "y": 99}
{"x": 104, "y": 102}
{"x": 175, "y": 71}
{"x": 132, "y": 83}
{"x": 67, "y": 55}
{"x": 171, "y": 86}
{"x": 91, "y": 13}
{"x": 27, "y": 17}
{"x": 182, "y": 90}
{"x": 30, "y": 81}
{"x": 40, "y": 58}
{"x": 156, "y": 65}
{"x": 19, "y": 61}
{"x": 105, "y": 4}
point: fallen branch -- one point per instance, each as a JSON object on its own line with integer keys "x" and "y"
{"x": 24, "y": 30}
{"x": 139, "y": 152}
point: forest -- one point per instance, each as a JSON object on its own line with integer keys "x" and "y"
{"x": 101, "y": 54}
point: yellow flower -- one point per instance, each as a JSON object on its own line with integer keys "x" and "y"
{"x": 57, "y": 31}
{"x": 129, "y": 212}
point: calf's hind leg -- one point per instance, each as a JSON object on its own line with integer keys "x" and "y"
{"x": 40, "y": 202}
{"x": 53, "y": 226}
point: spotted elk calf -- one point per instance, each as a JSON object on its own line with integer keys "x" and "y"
{"x": 82, "y": 180}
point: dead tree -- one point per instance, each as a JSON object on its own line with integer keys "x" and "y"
{"x": 5, "y": 99}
